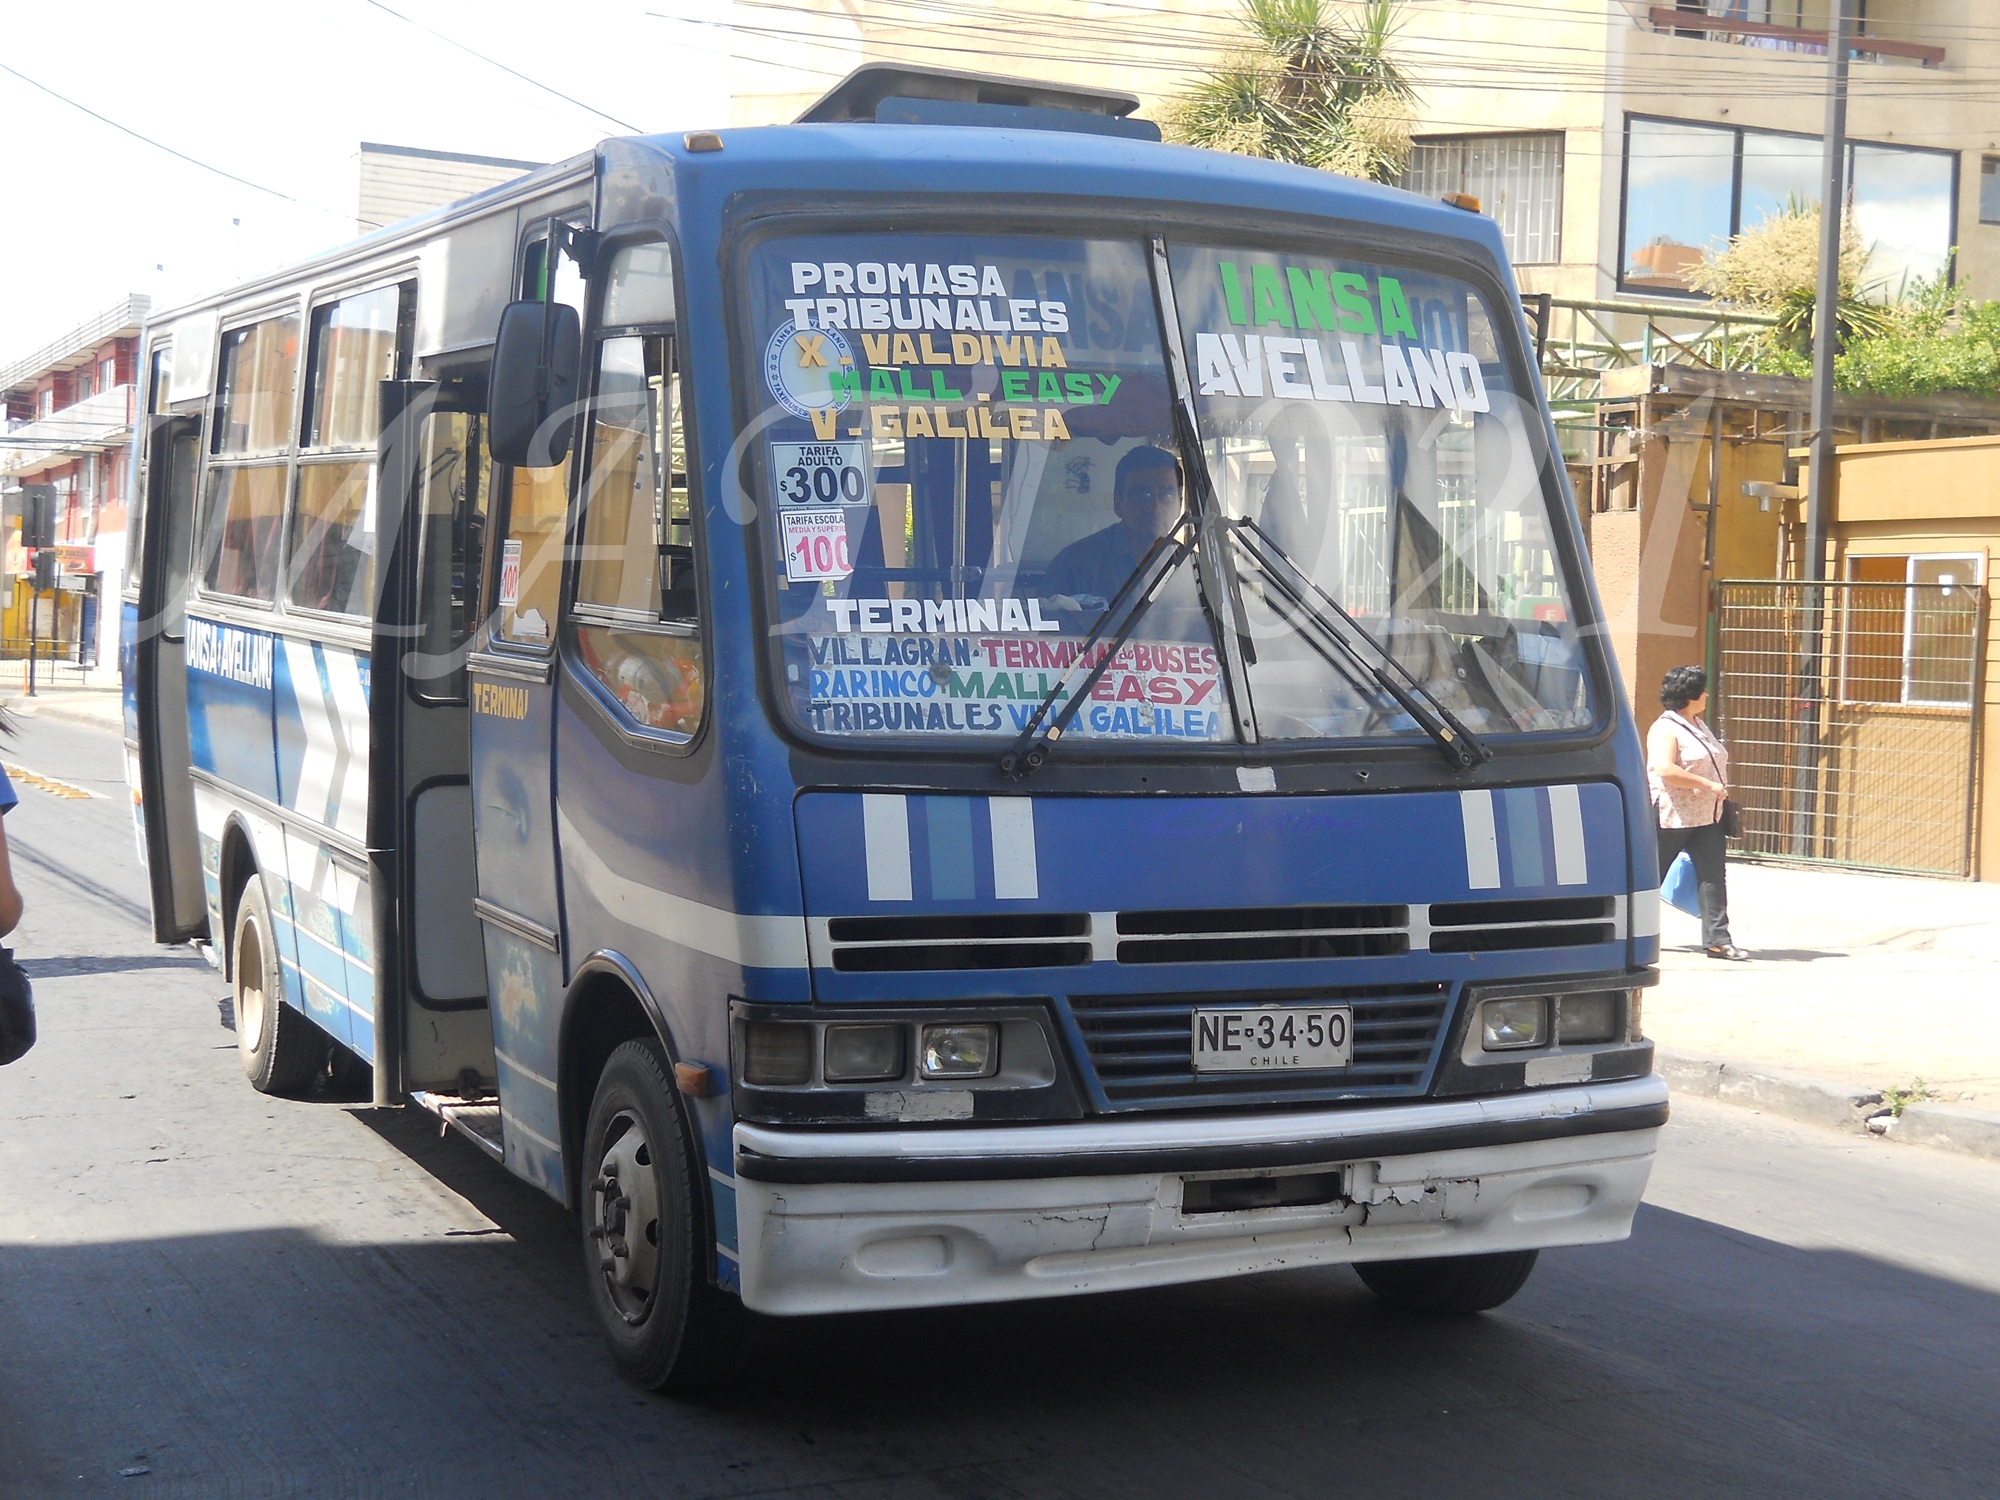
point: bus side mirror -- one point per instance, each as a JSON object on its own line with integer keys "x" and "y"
{"x": 531, "y": 400}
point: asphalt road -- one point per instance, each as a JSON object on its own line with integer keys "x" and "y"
{"x": 240, "y": 1296}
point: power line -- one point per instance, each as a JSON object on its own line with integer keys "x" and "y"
{"x": 512, "y": 72}
{"x": 956, "y": 21}
{"x": 160, "y": 146}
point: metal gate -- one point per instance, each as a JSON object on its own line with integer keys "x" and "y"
{"x": 1851, "y": 715}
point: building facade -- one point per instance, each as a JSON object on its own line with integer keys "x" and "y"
{"x": 1615, "y": 140}
{"x": 69, "y": 409}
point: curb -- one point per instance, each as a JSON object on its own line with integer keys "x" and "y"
{"x": 1828, "y": 1102}
{"x": 1796, "y": 1096}
{"x": 1971, "y": 1132}
{"x": 71, "y": 713}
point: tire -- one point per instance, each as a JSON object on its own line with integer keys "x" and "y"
{"x": 645, "y": 1239}
{"x": 1450, "y": 1285}
{"x": 283, "y": 1051}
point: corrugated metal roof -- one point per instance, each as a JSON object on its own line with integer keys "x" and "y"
{"x": 399, "y": 182}
{"x": 121, "y": 321}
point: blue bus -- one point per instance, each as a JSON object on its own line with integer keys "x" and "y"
{"x": 939, "y": 704}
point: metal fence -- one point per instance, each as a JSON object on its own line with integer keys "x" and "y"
{"x": 57, "y": 664}
{"x": 1851, "y": 715}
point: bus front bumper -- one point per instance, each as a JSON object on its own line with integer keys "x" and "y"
{"x": 842, "y": 1221}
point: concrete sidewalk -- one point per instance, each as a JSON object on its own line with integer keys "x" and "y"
{"x": 100, "y": 705}
{"x": 1859, "y": 985}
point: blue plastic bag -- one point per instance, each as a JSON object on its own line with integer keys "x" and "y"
{"x": 1680, "y": 889}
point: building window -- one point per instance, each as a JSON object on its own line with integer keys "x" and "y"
{"x": 1690, "y": 188}
{"x": 1518, "y": 180}
{"x": 1909, "y": 635}
{"x": 107, "y": 373}
{"x": 1989, "y": 189}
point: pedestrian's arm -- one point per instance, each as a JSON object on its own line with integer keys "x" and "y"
{"x": 1663, "y": 757}
{"x": 10, "y": 895}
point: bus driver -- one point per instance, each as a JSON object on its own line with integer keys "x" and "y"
{"x": 1146, "y": 496}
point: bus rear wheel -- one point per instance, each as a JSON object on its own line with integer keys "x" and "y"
{"x": 643, "y": 1254}
{"x": 282, "y": 1050}
{"x": 1454, "y": 1284}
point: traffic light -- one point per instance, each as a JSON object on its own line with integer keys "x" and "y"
{"x": 45, "y": 569}
{"x": 38, "y": 515}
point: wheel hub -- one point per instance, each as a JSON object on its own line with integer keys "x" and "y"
{"x": 625, "y": 1219}
{"x": 250, "y": 999}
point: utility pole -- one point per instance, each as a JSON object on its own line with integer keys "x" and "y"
{"x": 1826, "y": 304}
{"x": 1820, "y": 467}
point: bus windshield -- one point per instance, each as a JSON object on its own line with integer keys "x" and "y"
{"x": 968, "y": 445}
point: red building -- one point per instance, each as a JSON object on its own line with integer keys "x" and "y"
{"x": 69, "y": 410}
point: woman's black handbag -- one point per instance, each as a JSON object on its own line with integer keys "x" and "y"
{"x": 1731, "y": 819}
{"x": 17, "y": 1009}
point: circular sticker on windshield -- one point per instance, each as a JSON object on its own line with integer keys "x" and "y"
{"x": 799, "y": 364}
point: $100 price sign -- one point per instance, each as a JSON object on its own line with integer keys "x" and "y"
{"x": 815, "y": 543}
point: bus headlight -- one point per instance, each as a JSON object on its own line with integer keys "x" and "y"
{"x": 863, "y": 1054}
{"x": 959, "y": 1051}
{"x": 1587, "y": 1018}
{"x": 777, "y": 1052}
{"x": 1505, "y": 1025}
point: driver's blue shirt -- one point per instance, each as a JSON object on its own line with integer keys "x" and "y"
{"x": 1094, "y": 567}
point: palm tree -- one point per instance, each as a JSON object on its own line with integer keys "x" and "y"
{"x": 1308, "y": 87}
{"x": 1774, "y": 268}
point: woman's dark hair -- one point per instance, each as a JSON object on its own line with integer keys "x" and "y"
{"x": 1682, "y": 686}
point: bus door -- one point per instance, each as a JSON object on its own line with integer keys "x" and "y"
{"x": 429, "y": 963}
{"x": 513, "y": 787}
{"x": 171, "y": 846}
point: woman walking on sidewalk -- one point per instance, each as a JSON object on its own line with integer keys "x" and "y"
{"x": 1689, "y": 772}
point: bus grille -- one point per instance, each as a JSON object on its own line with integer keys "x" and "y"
{"x": 1141, "y": 1047}
{"x": 992, "y": 940}
{"x": 1495, "y": 926}
{"x": 1251, "y": 933}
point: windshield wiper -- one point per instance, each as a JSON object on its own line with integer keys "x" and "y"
{"x": 1359, "y": 652}
{"x": 1026, "y": 755}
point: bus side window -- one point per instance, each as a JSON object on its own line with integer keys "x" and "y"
{"x": 356, "y": 343}
{"x": 239, "y": 546}
{"x": 160, "y": 370}
{"x": 452, "y": 491}
{"x": 184, "y": 458}
{"x": 529, "y": 576}
{"x": 637, "y": 622}
{"x": 243, "y": 512}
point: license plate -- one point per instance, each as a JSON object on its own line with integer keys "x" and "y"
{"x": 1281, "y": 1038}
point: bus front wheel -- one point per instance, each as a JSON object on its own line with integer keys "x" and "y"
{"x": 1455, "y": 1284}
{"x": 282, "y": 1050}
{"x": 643, "y": 1252}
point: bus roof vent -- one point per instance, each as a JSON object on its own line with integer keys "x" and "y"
{"x": 899, "y": 94}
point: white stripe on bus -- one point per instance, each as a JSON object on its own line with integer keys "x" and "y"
{"x": 1482, "y": 843}
{"x": 885, "y": 830}
{"x": 1566, "y": 823}
{"x": 753, "y": 941}
{"x": 1016, "y": 876}
{"x": 314, "y": 796}
{"x": 526, "y": 1072}
{"x": 350, "y": 725}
